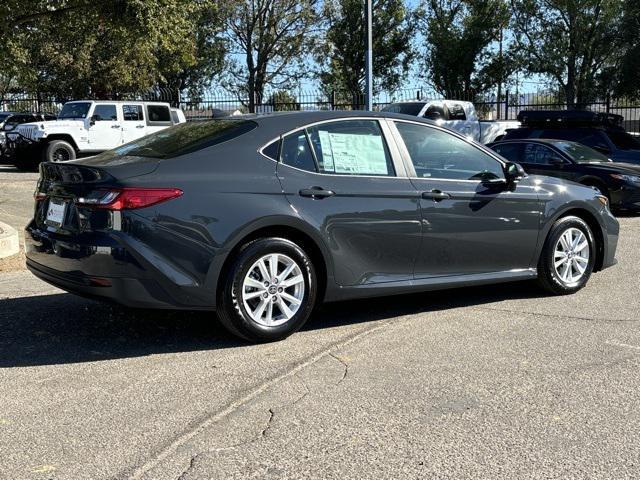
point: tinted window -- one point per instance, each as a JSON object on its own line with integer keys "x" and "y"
{"x": 158, "y": 113}
{"x": 132, "y": 113}
{"x": 589, "y": 137}
{"x": 272, "y": 150}
{"x": 105, "y": 112}
{"x": 510, "y": 151}
{"x": 534, "y": 153}
{"x": 435, "y": 112}
{"x": 581, "y": 153}
{"x": 296, "y": 152}
{"x": 409, "y": 108}
{"x": 75, "y": 110}
{"x": 438, "y": 154}
{"x": 624, "y": 141}
{"x": 182, "y": 139}
{"x": 456, "y": 112}
{"x": 351, "y": 147}
{"x": 174, "y": 117}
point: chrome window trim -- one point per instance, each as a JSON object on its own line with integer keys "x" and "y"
{"x": 387, "y": 135}
{"x": 407, "y": 158}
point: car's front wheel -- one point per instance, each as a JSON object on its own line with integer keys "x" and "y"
{"x": 568, "y": 256}
{"x": 269, "y": 291}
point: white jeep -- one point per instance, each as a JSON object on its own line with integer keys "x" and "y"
{"x": 87, "y": 127}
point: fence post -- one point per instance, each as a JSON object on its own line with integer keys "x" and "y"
{"x": 506, "y": 104}
{"x": 608, "y": 100}
{"x": 333, "y": 99}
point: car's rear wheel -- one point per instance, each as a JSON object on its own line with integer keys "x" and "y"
{"x": 568, "y": 256}
{"x": 269, "y": 291}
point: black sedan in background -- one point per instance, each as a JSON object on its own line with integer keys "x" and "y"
{"x": 620, "y": 182}
{"x": 261, "y": 218}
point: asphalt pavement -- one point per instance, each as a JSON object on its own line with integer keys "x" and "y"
{"x": 489, "y": 382}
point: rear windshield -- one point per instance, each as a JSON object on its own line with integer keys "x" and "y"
{"x": 412, "y": 108}
{"x": 184, "y": 138}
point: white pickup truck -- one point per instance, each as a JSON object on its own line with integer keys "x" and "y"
{"x": 87, "y": 127}
{"x": 456, "y": 115}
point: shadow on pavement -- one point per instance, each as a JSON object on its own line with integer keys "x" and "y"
{"x": 64, "y": 328}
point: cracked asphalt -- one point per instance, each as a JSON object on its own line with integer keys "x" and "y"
{"x": 489, "y": 382}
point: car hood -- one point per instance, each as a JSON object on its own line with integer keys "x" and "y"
{"x": 53, "y": 124}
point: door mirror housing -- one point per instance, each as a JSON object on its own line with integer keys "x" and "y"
{"x": 514, "y": 172}
{"x": 94, "y": 119}
{"x": 557, "y": 161}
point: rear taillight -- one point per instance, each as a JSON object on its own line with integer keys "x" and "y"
{"x": 38, "y": 196}
{"x": 128, "y": 198}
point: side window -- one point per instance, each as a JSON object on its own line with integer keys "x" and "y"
{"x": 438, "y": 154}
{"x": 351, "y": 147}
{"x": 174, "y": 117}
{"x": 537, "y": 154}
{"x": 132, "y": 113}
{"x": 510, "y": 151}
{"x": 456, "y": 112}
{"x": 435, "y": 112}
{"x": 271, "y": 150}
{"x": 104, "y": 112}
{"x": 158, "y": 115}
{"x": 296, "y": 152}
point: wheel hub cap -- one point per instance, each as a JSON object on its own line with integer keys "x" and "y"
{"x": 571, "y": 255}
{"x": 273, "y": 290}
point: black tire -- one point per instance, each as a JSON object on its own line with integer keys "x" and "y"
{"x": 231, "y": 309}
{"x": 548, "y": 277}
{"x": 59, "y": 151}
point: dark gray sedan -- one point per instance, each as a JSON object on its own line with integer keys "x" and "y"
{"x": 261, "y": 218}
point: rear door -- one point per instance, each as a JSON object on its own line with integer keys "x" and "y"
{"x": 345, "y": 178}
{"x": 133, "y": 124}
{"x": 470, "y": 225}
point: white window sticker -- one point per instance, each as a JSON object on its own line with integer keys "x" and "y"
{"x": 353, "y": 154}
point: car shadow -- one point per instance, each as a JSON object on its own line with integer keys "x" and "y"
{"x": 64, "y": 328}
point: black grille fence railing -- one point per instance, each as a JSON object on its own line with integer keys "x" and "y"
{"x": 216, "y": 102}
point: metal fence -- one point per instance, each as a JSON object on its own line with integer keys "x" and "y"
{"x": 488, "y": 105}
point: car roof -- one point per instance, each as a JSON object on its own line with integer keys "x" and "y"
{"x": 533, "y": 140}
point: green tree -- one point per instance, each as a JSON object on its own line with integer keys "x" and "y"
{"x": 457, "y": 54}
{"x": 341, "y": 55}
{"x": 111, "y": 47}
{"x": 569, "y": 41}
{"x": 269, "y": 40}
{"x": 283, "y": 101}
{"x": 623, "y": 76}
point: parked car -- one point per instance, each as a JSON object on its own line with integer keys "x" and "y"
{"x": 263, "y": 217}
{"x": 620, "y": 182}
{"x": 87, "y": 127}
{"x": 10, "y": 120}
{"x": 600, "y": 131}
{"x": 456, "y": 115}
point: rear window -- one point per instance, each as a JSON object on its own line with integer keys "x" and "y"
{"x": 412, "y": 108}
{"x": 184, "y": 138}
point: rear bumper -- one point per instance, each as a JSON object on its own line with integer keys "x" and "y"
{"x": 110, "y": 267}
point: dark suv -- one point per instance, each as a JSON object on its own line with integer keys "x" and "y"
{"x": 602, "y": 132}
{"x": 10, "y": 120}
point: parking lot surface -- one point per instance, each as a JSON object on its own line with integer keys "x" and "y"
{"x": 491, "y": 382}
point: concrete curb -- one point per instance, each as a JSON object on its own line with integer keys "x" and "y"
{"x": 9, "y": 242}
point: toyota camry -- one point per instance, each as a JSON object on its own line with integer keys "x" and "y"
{"x": 262, "y": 218}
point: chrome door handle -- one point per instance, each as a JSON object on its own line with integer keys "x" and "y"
{"x": 115, "y": 126}
{"x": 436, "y": 195}
{"x": 316, "y": 192}
{"x": 139, "y": 126}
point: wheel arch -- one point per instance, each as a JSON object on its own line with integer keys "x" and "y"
{"x": 590, "y": 219}
{"x": 591, "y": 180}
{"x": 290, "y": 230}
{"x": 62, "y": 136}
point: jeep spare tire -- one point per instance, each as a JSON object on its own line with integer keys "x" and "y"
{"x": 59, "y": 151}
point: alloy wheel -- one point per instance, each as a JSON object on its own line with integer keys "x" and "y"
{"x": 273, "y": 289}
{"x": 571, "y": 255}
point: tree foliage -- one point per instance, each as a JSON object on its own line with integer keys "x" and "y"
{"x": 341, "y": 54}
{"x": 109, "y": 47}
{"x": 268, "y": 40}
{"x": 570, "y": 41}
{"x": 457, "y": 40}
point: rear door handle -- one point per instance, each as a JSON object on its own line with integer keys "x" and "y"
{"x": 316, "y": 192}
{"x": 436, "y": 195}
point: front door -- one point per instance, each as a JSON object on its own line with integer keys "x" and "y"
{"x": 472, "y": 223}
{"x": 105, "y": 129}
{"x": 342, "y": 178}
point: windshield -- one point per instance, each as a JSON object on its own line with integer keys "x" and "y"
{"x": 75, "y": 110}
{"x": 182, "y": 139}
{"x": 581, "y": 153}
{"x": 412, "y": 108}
{"x": 624, "y": 141}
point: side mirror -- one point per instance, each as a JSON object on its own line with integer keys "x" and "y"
{"x": 557, "y": 161}
{"x": 514, "y": 172}
{"x": 94, "y": 119}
